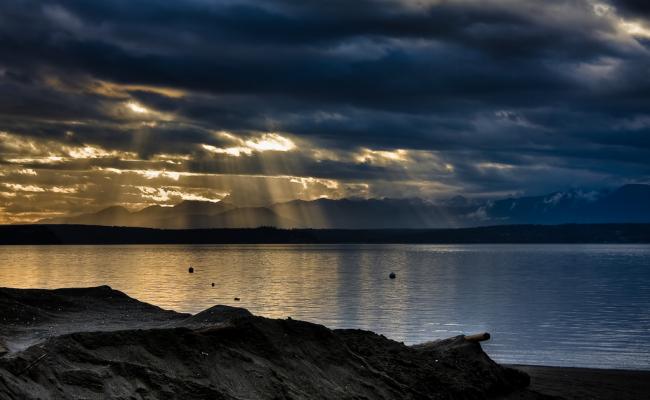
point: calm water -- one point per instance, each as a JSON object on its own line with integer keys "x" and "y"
{"x": 544, "y": 304}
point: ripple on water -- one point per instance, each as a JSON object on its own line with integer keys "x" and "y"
{"x": 545, "y": 304}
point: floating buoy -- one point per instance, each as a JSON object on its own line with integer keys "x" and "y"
{"x": 190, "y": 270}
{"x": 212, "y": 284}
{"x": 392, "y": 275}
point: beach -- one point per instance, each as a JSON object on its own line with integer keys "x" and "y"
{"x": 588, "y": 383}
{"x": 94, "y": 342}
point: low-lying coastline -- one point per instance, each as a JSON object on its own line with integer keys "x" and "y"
{"x": 511, "y": 234}
{"x": 100, "y": 343}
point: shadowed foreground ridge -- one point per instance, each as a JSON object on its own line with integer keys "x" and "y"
{"x": 222, "y": 353}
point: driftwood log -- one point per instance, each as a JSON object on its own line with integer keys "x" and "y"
{"x": 478, "y": 337}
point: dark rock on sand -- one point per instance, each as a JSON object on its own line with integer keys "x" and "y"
{"x": 214, "y": 316}
{"x": 227, "y": 353}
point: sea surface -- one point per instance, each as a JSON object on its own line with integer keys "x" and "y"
{"x": 565, "y": 305}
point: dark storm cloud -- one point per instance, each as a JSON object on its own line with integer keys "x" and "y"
{"x": 297, "y": 50}
{"x": 484, "y": 94}
{"x": 634, "y": 7}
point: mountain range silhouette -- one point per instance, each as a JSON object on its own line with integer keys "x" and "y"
{"x": 627, "y": 204}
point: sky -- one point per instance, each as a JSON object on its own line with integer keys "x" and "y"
{"x": 141, "y": 102}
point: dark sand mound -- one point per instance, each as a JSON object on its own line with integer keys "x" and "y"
{"x": 22, "y": 307}
{"x": 234, "y": 355}
{"x": 253, "y": 358}
{"x": 214, "y": 316}
{"x": 28, "y": 316}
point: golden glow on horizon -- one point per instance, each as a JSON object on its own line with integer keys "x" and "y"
{"x": 57, "y": 177}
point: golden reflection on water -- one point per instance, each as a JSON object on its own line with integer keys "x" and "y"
{"x": 539, "y": 302}
{"x": 276, "y": 281}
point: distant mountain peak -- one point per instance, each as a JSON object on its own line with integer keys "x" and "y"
{"x": 113, "y": 210}
{"x": 202, "y": 207}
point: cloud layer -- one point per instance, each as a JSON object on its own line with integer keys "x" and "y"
{"x": 152, "y": 101}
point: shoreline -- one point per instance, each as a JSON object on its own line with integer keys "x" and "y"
{"x": 100, "y": 343}
{"x": 587, "y": 383}
{"x": 595, "y": 369}
{"x": 36, "y": 234}
{"x": 88, "y": 341}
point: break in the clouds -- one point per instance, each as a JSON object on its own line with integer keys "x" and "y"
{"x": 154, "y": 101}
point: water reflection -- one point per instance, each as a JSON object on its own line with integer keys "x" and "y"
{"x": 561, "y": 305}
